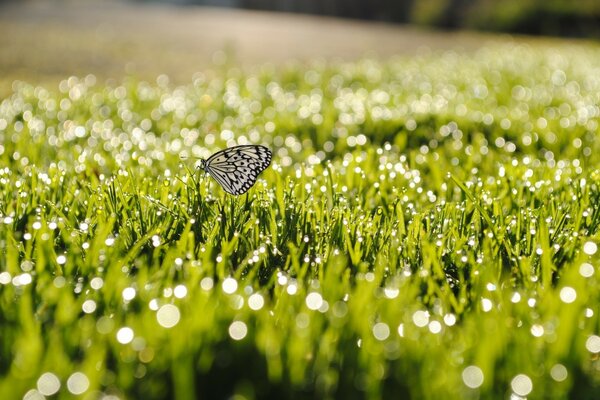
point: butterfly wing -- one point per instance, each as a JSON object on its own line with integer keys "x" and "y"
{"x": 237, "y": 168}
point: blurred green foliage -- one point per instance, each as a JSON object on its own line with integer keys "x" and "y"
{"x": 429, "y": 229}
{"x": 537, "y": 17}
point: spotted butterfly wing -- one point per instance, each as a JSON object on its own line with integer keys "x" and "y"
{"x": 237, "y": 168}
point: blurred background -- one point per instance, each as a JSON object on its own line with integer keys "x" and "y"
{"x": 539, "y": 17}
{"x": 44, "y": 41}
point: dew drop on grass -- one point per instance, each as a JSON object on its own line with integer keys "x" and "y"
{"x": 168, "y": 316}
{"x": 435, "y": 327}
{"x": 229, "y": 285}
{"x": 78, "y": 383}
{"x": 33, "y": 394}
{"x": 324, "y": 307}
{"x": 180, "y": 291}
{"x": 421, "y": 318}
{"x": 568, "y": 294}
{"x": 537, "y": 330}
{"x": 521, "y": 385}
{"x": 23, "y": 279}
{"x": 472, "y": 376}
{"x": 48, "y": 384}
{"x": 206, "y": 283}
{"x": 586, "y": 270}
{"x": 381, "y": 331}
{"x": 292, "y": 288}
{"x": 281, "y": 279}
{"x": 256, "y": 301}
{"x": 125, "y": 335}
{"x": 302, "y": 320}
{"x": 391, "y": 292}
{"x": 128, "y": 294}
{"x": 88, "y": 306}
{"x": 97, "y": 283}
{"x": 486, "y": 304}
{"x": 153, "y": 304}
{"x": 238, "y": 330}
{"x": 5, "y": 278}
{"x": 105, "y": 325}
{"x": 450, "y": 319}
{"x": 236, "y": 302}
{"x": 314, "y": 301}
{"x": 590, "y": 248}
{"x": 339, "y": 309}
{"x": 559, "y": 372}
{"x": 592, "y": 344}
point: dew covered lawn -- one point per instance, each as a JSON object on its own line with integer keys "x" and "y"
{"x": 428, "y": 229}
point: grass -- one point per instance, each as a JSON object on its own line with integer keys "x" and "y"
{"x": 428, "y": 229}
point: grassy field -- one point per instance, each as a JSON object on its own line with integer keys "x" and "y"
{"x": 429, "y": 229}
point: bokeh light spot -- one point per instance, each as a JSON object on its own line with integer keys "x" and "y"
{"x": 238, "y": 330}
{"x": 168, "y": 316}
{"x": 78, "y": 383}
{"x": 521, "y": 385}
{"x": 381, "y": 331}
{"x": 125, "y": 335}
{"x": 472, "y": 376}
{"x": 48, "y": 384}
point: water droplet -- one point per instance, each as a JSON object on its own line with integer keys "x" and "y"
{"x": 420, "y": 318}
{"x": 97, "y": 283}
{"x": 586, "y": 270}
{"x": 472, "y": 376}
{"x": 78, "y": 383}
{"x": 450, "y": 319}
{"x": 435, "y": 327}
{"x": 381, "y": 331}
{"x": 33, "y": 394}
{"x": 256, "y": 302}
{"x": 168, "y": 316}
{"x": 391, "y": 292}
{"x": 537, "y": 330}
{"x": 568, "y": 294}
{"x": 48, "y": 384}
{"x": 105, "y": 325}
{"x": 282, "y": 279}
{"x": 125, "y": 335}
{"x": 486, "y": 304}
{"x": 5, "y": 278}
{"x": 559, "y": 372}
{"x": 88, "y": 306}
{"x": 592, "y": 344}
{"x": 180, "y": 291}
{"x": 229, "y": 285}
{"x": 292, "y": 288}
{"x": 128, "y": 294}
{"x": 590, "y": 248}
{"x": 153, "y": 304}
{"x": 206, "y": 283}
{"x": 314, "y": 301}
{"x": 521, "y": 385}
{"x": 238, "y": 330}
{"x": 22, "y": 280}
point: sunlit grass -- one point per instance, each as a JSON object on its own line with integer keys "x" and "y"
{"x": 428, "y": 229}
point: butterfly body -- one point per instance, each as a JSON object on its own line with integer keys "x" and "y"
{"x": 237, "y": 168}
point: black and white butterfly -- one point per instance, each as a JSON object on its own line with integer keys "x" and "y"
{"x": 237, "y": 168}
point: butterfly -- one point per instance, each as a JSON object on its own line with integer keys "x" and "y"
{"x": 237, "y": 168}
